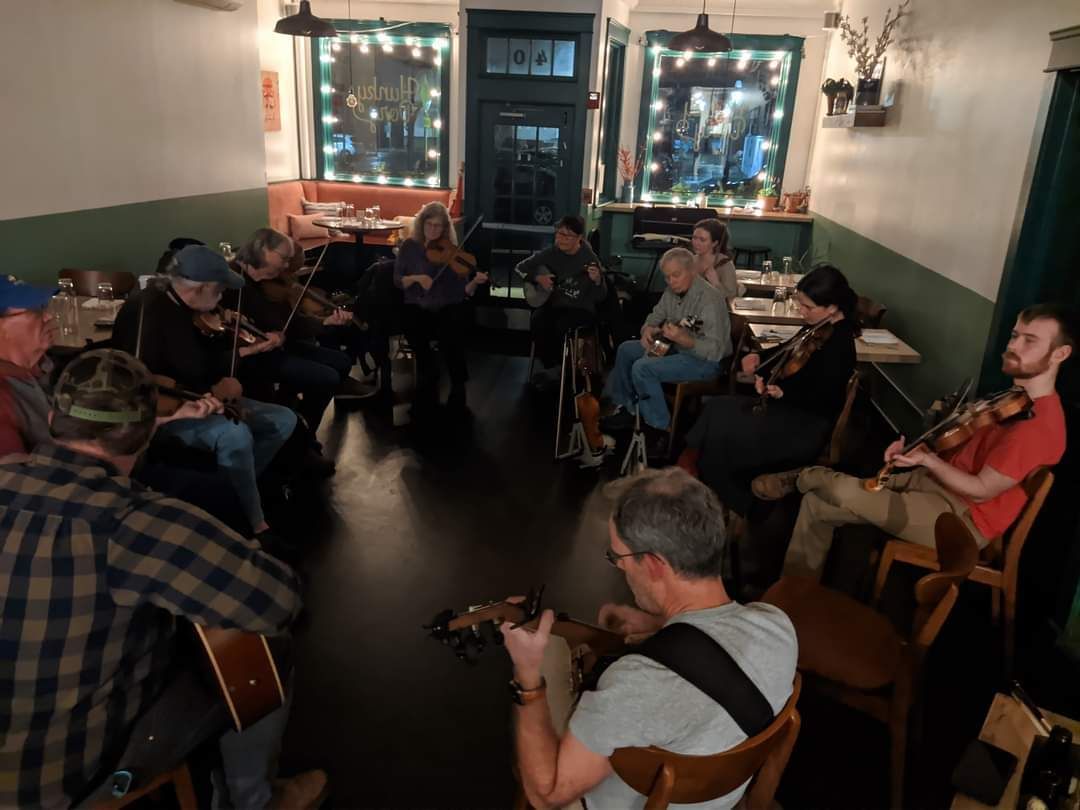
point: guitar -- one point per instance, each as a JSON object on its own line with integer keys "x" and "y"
{"x": 661, "y": 346}
{"x": 244, "y": 671}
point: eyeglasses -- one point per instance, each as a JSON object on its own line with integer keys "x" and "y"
{"x": 566, "y": 234}
{"x": 614, "y": 558}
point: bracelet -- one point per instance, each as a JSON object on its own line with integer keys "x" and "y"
{"x": 521, "y": 695}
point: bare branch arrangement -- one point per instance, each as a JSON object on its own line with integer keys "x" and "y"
{"x": 628, "y": 166}
{"x": 858, "y": 43}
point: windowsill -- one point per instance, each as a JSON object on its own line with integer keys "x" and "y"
{"x": 723, "y": 213}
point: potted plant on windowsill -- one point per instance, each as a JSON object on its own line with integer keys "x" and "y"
{"x": 628, "y": 167}
{"x": 769, "y": 197}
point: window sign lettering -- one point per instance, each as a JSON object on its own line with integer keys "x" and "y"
{"x": 517, "y": 56}
{"x": 383, "y": 99}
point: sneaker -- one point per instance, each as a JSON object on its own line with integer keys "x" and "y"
{"x": 352, "y": 388}
{"x": 305, "y": 791}
{"x": 621, "y": 421}
{"x": 775, "y": 486}
{"x": 657, "y": 443}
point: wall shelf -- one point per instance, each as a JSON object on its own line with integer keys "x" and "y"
{"x": 857, "y": 118}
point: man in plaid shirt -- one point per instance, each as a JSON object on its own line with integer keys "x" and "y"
{"x": 94, "y": 570}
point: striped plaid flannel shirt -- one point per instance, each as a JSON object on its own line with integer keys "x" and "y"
{"x": 94, "y": 568}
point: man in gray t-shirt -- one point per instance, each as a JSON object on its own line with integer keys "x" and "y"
{"x": 667, "y": 537}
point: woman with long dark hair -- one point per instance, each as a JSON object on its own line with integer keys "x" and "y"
{"x": 733, "y": 441}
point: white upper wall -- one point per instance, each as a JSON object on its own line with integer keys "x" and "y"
{"x": 800, "y": 18}
{"x": 941, "y": 182}
{"x": 120, "y": 101}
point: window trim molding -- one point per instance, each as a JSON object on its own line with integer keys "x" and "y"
{"x": 617, "y": 34}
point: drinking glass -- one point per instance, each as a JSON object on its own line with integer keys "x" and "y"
{"x": 67, "y": 307}
{"x": 369, "y": 217}
{"x": 766, "y": 272}
{"x": 105, "y": 291}
{"x": 788, "y": 271}
{"x": 779, "y": 298}
{"x": 226, "y": 250}
{"x": 376, "y": 213}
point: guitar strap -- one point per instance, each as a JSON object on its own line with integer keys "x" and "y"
{"x": 696, "y": 657}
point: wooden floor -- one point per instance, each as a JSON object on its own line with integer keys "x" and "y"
{"x": 417, "y": 521}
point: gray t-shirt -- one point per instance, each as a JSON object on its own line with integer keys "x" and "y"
{"x": 638, "y": 702}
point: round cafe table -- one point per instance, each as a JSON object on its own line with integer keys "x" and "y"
{"x": 359, "y": 229}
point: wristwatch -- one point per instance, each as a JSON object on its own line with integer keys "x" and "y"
{"x": 521, "y": 695}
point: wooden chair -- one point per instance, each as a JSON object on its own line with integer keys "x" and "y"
{"x": 830, "y": 455}
{"x": 666, "y": 778}
{"x": 180, "y": 779}
{"x": 86, "y": 281}
{"x": 854, "y": 653}
{"x": 999, "y": 562}
{"x": 684, "y": 392}
{"x": 869, "y": 313}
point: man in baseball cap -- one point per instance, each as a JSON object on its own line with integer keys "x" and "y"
{"x": 27, "y": 329}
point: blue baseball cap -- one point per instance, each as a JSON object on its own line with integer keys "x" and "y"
{"x": 200, "y": 263}
{"x": 15, "y": 294}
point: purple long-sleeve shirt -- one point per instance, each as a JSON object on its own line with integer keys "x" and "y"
{"x": 449, "y": 287}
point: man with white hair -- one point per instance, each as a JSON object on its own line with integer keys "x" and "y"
{"x": 684, "y": 338}
{"x": 157, "y": 326}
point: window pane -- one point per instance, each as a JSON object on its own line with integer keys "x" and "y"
{"x": 563, "y": 59}
{"x": 504, "y": 141}
{"x": 502, "y": 180}
{"x": 523, "y": 181}
{"x": 496, "y": 55}
{"x": 520, "y": 51}
{"x": 717, "y": 125}
{"x": 541, "y": 57}
{"x": 526, "y": 143}
{"x": 548, "y": 143}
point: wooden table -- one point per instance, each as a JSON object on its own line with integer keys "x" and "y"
{"x": 769, "y": 335}
{"x": 760, "y": 310}
{"x": 755, "y": 287}
{"x": 1010, "y": 727}
{"x": 358, "y": 229}
{"x": 88, "y": 332}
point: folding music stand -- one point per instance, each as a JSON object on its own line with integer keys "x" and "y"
{"x": 636, "y": 459}
{"x": 579, "y": 445}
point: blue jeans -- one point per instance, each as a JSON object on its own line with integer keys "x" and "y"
{"x": 243, "y": 450}
{"x": 637, "y": 377}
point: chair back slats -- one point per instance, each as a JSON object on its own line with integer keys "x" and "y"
{"x": 1037, "y": 486}
{"x": 703, "y": 778}
{"x": 831, "y": 456}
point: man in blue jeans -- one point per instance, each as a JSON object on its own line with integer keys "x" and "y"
{"x": 684, "y": 339}
{"x": 157, "y": 327}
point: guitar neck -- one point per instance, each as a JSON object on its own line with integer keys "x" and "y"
{"x": 575, "y": 632}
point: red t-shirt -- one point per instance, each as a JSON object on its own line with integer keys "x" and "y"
{"x": 1014, "y": 449}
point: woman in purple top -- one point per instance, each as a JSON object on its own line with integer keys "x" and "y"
{"x": 436, "y": 308}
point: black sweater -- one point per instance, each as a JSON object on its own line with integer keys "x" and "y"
{"x": 171, "y": 345}
{"x": 820, "y": 386}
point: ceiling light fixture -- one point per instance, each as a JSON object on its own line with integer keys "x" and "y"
{"x": 305, "y": 24}
{"x": 701, "y": 38}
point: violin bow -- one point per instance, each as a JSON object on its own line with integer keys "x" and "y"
{"x": 307, "y": 284}
{"x": 236, "y": 332}
{"x": 457, "y": 247}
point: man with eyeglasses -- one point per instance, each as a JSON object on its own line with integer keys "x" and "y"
{"x": 666, "y": 536}
{"x": 573, "y": 275}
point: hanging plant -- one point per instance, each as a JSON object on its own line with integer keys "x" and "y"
{"x": 867, "y": 56}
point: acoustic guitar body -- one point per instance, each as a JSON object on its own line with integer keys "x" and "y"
{"x": 245, "y": 672}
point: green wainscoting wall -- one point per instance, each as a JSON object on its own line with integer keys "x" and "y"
{"x": 945, "y": 322}
{"x": 126, "y": 237}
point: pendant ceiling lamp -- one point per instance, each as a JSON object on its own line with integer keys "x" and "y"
{"x": 305, "y": 24}
{"x": 701, "y": 38}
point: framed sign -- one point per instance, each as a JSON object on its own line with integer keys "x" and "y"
{"x": 271, "y": 102}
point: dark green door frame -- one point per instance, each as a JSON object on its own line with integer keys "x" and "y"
{"x": 481, "y": 87}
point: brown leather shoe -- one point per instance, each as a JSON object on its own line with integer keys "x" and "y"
{"x": 305, "y": 791}
{"x": 774, "y": 486}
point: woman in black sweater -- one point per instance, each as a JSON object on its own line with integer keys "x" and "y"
{"x": 733, "y": 443}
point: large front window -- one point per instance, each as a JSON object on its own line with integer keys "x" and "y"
{"x": 381, "y": 111}
{"x": 717, "y": 124}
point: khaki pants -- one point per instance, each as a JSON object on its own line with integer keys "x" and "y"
{"x": 907, "y": 508}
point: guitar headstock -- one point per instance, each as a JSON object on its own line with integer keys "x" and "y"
{"x": 470, "y": 631}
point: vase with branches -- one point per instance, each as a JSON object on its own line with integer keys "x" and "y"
{"x": 629, "y": 167}
{"x": 869, "y": 53}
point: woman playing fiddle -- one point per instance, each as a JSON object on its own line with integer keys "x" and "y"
{"x": 712, "y": 256}
{"x": 436, "y": 297}
{"x": 733, "y": 441}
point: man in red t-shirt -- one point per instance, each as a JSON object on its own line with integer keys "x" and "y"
{"x": 980, "y": 481}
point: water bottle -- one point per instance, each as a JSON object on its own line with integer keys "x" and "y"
{"x": 66, "y": 307}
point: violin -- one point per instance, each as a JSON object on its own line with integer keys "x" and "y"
{"x": 588, "y": 407}
{"x": 793, "y": 355}
{"x": 170, "y": 396}
{"x": 286, "y": 289}
{"x": 960, "y": 426}
{"x": 444, "y": 253}
{"x": 224, "y": 322}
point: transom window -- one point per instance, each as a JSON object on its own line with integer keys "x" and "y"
{"x": 526, "y": 56}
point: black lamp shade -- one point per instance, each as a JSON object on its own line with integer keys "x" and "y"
{"x": 700, "y": 39}
{"x": 305, "y": 24}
